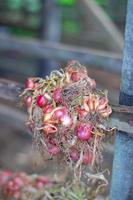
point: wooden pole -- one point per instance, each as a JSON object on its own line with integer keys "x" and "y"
{"x": 122, "y": 178}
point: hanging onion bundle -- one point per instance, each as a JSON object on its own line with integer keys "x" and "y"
{"x": 67, "y": 113}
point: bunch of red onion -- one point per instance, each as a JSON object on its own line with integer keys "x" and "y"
{"x": 13, "y": 185}
{"x": 66, "y": 112}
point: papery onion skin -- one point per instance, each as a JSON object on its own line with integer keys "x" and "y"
{"x": 29, "y": 84}
{"x": 48, "y": 109}
{"x": 28, "y": 101}
{"x": 49, "y": 129}
{"x": 41, "y": 101}
{"x": 103, "y": 102}
{"x": 59, "y": 113}
{"x": 75, "y": 76}
{"x": 57, "y": 95}
{"x": 84, "y": 131}
{"x": 66, "y": 120}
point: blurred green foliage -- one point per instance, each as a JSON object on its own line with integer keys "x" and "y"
{"x": 67, "y": 2}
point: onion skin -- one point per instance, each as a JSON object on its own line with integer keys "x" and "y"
{"x": 49, "y": 129}
{"x": 87, "y": 158}
{"x": 28, "y": 101}
{"x": 74, "y": 155}
{"x": 84, "y": 131}
{"x": 57, "y": 95}
{"x": 103, "y": 102}
{"x": 74, "y": 73}
{"x": 29, "y": 84}
{"x": 66, "y": 120}
{"x": 106, "y": 112}
{"x": 81, "y": 112}
{"x": 75, "y": 76}
{"x": 54, "y": 150}
{"x": 40, "y": 182}
{"x": 48, "y": 109}
{"x": 59, "y": 113}
{"x": 41, "y": 101}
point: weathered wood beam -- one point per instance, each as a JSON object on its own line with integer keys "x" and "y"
{"x": 121, "y": 118}
{"x": 9, "y": 90}
{"x": 38, "y": 49}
